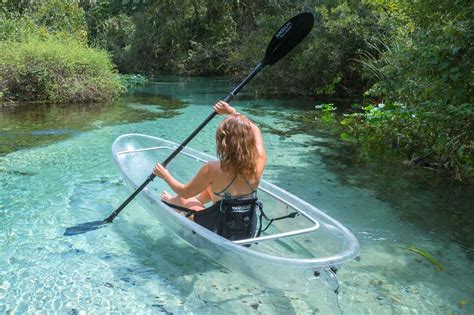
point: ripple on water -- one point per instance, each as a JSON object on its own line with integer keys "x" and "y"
{"x": 135, "y": 266}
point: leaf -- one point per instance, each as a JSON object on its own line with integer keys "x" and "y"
{"x": 345, "y": 136}
{"x": 423, "y": 253}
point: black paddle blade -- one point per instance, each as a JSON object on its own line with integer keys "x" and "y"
{"x": 85, "y": 227}
{"x": 288, "y": 36}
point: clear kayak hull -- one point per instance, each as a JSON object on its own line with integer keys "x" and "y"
{"x": 300, "y": 254}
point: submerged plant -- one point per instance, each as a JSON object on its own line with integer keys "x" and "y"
{"x": 423, "y": 253}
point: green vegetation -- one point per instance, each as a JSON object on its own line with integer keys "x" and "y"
{"x": 229, "y": 37}
{"x": 436, "y": 137}
{"x": 44, "y": 56}
{"x": 423, "y": 253}
{"x": 415, "y": 58}
{"x": 53, "y": 70}
{"x": 131, "y": 81}
{"x": 20, "y": 20}
{"x": 424, "y": 76}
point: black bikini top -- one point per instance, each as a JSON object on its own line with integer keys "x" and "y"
{"x": 225, "y": 194}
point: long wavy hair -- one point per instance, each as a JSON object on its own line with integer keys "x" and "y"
{"x": 236, "y": 147}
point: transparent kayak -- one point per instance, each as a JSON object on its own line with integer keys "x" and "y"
{"x": 297, "y": 254}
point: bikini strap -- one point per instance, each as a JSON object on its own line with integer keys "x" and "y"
{"x": 248, "y": 184}
{"x": 223, "y": 192}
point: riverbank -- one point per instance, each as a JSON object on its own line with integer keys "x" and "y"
{"x": 57, "y": 71}
{"x": 410, "y": 64}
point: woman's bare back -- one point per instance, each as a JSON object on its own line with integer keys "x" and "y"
{"x": 230, "y": 182}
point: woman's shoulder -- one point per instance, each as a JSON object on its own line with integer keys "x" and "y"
{"x": 214, "y": 163}
{"x": 213, "y": 167}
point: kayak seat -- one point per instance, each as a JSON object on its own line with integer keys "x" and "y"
{"x": 233, "y": 217}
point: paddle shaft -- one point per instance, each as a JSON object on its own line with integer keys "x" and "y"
{"x": 152, "y": 176}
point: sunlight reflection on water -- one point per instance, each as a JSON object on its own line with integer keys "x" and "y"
{"x": 134, "y": 265}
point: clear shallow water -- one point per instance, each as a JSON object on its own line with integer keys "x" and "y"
{"x": 61, "y": 173}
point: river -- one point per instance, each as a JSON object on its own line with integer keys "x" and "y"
{"x": 414, "y": 225}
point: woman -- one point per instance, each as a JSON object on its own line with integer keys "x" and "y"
{"x": 232, "y": 180}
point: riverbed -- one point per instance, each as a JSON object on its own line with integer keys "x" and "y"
{"x": 414, "y": 225}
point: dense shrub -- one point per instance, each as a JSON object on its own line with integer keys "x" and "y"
{"x": 20, "y": 19}
{"x": 429, "y": 57}
{"x": 55, "y": 70}
{"x": 17, "y": 28}
{"x": 327, "y": 62}
{"x": 44, "y": 55}
{"x": 424, "y": 75}
{"x": 115, "y": 35}
{"x": 439, "y": 138}
{"x": 230, "y": 37}
{"x": 183, "y": 39}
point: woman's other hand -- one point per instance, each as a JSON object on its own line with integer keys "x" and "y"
{"x": 160, "y": 171}
{"x": 222, "y": 108}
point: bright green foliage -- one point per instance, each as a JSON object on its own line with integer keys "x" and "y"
{"x": 43, "y": 18}
{"x": 44, "y": 56}
{"x": 425, "y": 75}
{"x": 439, "y": 138}
{"x": 59, "y": 16}
{"x": 17, "y": 28}
{"x": 327, "y": 115}
{"x": 429, "y": 57}
{"x": 131, "y": 81}
{"x": 55, "y": 70}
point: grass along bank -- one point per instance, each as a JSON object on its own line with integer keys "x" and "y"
{"x": 56, "y": 70}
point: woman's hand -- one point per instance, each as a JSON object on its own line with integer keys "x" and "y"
{"x": 160, "y": 171}
{"x": 222, "y": 108}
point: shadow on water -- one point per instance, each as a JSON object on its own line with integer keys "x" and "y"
{"x": 270, "y": 107}
{"x": 28, "y": 125}
{"x": 182, "y": 267}
{"x": 442, "y": 207}
{"x": 163, "y": 102}
{"x": 167, "y": 256}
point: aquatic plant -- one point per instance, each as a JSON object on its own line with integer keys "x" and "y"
{"x": 423, "y": 253}
{"x": 131, "y": 81}
{"x": 432, "y": 136}
{"x": 327, "y": 115}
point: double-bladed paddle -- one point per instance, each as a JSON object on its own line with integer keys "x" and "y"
{"x": 284, "y": 40}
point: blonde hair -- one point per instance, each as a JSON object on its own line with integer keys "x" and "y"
{"x": 236, "y": 147}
